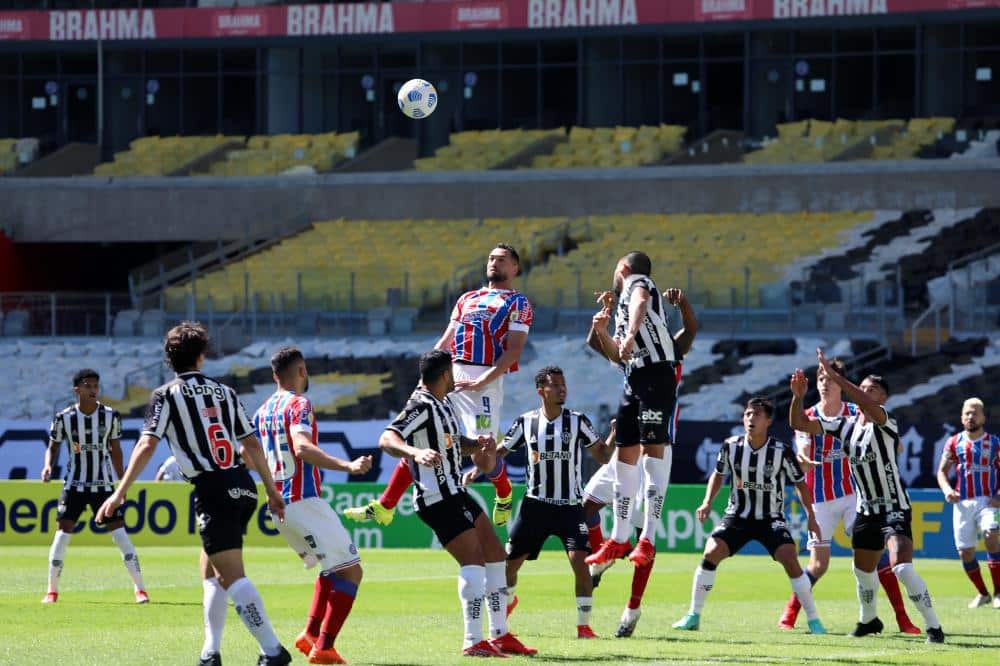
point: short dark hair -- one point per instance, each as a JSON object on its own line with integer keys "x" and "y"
{"x": 85, "y": 373}
{"x": 638, "y": 263}
{"x": 762, "y": 403}
{"x": 880, "y": 381}
{"x": 184, "y": 343}
{"x": 542, "y": 376}
{"x": 433, "y": 365}
{"x": 285, "y": 358}
{"x": 510, "y": 250}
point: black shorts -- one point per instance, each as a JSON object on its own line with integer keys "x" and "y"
{"x": 536, "y": 521}
{"x": 451, "y": 516}
{"x": 870, "y": 532}
{"x": 738, "y": 532}
{"x": 72, "y": 502}
{"x": 224, "y": 503}
{"x": 647, "y": 406}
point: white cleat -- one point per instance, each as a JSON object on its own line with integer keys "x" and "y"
{"x": 596, "y": 570}
{"x": 980, "y": 601}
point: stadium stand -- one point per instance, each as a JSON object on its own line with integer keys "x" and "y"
{"x": 476, "y": 150}
{"x": 273, "y": 155}
{"x": 607, "y": 147}
{"x": 15, "y": 153}
{"x": 161, "y": 156}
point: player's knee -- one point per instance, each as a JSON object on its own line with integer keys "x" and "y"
{"x": 708, "y": 565}
{"x": 592, "y": 519}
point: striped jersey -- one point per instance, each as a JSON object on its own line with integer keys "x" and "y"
{"x": 871, "y": 450}
{"x": 832, "y": 480}
{"x": 284, "y": 414}
{"x": 653, "y": 342}
{"x": 87, "y": 437}
{"x": 555, "y": 453}
{"x": 757, "y": 477}
{"x": 977, "y": 464}
{"x": 202, "y": 421}
{"x": 429, "y": 423}
{"x": 482, "y": 319}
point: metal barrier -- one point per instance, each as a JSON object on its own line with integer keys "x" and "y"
{"x": 60, "y": 313}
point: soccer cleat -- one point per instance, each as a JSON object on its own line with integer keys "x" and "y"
{"x": 816, "y": 627}
{"x": 609, "y": 551}
{"x": 141, "y": 597}
{"x": 629, "y": 619}
{"x": 791, "y": 614}
{"x": 643, "y": 553}
{"x": 213, "y": 659}
{"x": 483, "y": 649}
{"x": 865, "y": 628}
{"x": 280, "y": 659}
{"x": 996, "y": 601}
{"x": 508, "y": 644}
{"x": 597, "y": 570}
{"x": 501, "y": 510}
{"x": 329, "y": 656}
{"x": 50, "y": 598}
{"x": 935, "y": 635}
{"x": 905, "y": 625}
{"x": 980, "y": 601}
{"x": 304, "y": 643}
{"x": 511, "y": 605}
{"x": 369, "y": 512}
{"x": 584, "y": 631}
{"x": 689, "y": 622}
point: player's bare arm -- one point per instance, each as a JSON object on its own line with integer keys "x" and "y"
{"x": 309, "y": 453}
{"x": 805, "y": 499}
{"x": 51, "y": 452}
{"x": 599, "y": 339}
{"x": 396, "y": 446}
{"x": 511, "y": 355}
{"x": 711, "y": 490}
{"x": 141, "y": 454}
{"x": 684, "y": 338}
{"x": 444, "y": 342}
{"x": 637, "y": 307}
{"x": 797, "y": 418}
{"x": 603, "y": 450}
{"x": 115, "y": 453}
{"x": 873, "y": 411}
{"x": 944, "y": 466}
{"x": 255, "y": 453}
{"x": 802, "y": 446}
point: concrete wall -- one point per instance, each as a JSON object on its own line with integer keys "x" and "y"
{"x": 178, "y": 209}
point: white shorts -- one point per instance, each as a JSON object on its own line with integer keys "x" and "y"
{"x": 479, "y": 411}
{"x": 828, "y": 514}
{"x": 315, "y": 532}
{"x": 601, "y": 489}
{"x": 969, "y": 518}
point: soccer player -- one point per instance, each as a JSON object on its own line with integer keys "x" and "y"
{"x": 975, "y": 454}
{"x": 428, "y": 436}
{"x": 883, "y": 507}
{"x": 555, "y": 438}
{"x": 92, "y": 433}
{"x": 758, "y": 467}
{"x": 644, "y": 346}
{"x": 201, "y": 419}
{"x": 828, "y": 475}
{"x": 286, "y": 427}
{"x": 486, "y": 334}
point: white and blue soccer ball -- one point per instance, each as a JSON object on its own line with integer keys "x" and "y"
{"x": 417, "y": 98}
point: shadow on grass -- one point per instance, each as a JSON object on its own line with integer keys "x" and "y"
{"x": 132, "y": 603}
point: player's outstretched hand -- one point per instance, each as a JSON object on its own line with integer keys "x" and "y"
{"x": 702, "y": 512}
{"x": 468, "y": 385}
{"x": 605, "y": 299}
{"x": 823, "y": 363}
{"x": 108, "y": 508}
{"x": 675, "y": 296}
{"x": 487, "y": 442}
{"x": 799, "y": 383}
{"x": 277, "y": 506}
{"x": 427, "y": 458}
{"x": 470, "y": 476}
{"x": 952, "y": 497}
{"x": 360, "y": 465}
{"x": 805, "y": 461}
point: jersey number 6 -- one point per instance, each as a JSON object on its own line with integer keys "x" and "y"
{"x": 222, "y": 448}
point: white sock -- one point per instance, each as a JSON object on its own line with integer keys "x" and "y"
{"x": 250, "y": 608}
{"x": 131, "y": 560}
{"x": 626, "y": 483}
{"x": 867, "y": 586}
{"x": 583, "y": 608}
{"x": 496, "y": 597}
{"x": 802, "y": 588}
{"x": 57, "y": 555}
{"x": 704, "y": 580}
{"x": 214, "y": 602}
{"x": 471, "y": 590}
{"x": 511, "y": 593}
{"x": 657, "y": 476}
{"x": 916, "y": 589}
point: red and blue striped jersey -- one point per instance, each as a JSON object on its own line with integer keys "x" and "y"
{"x": 832, "y": 480}
{"x": 977, "y": 464}
{"x": 482, "y": 319}
{"x": 283, "y": 415}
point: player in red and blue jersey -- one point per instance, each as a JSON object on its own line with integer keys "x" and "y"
{"x": 828, "y": 475}
{"x": 286, "y": 427}
{"x": 486, "y": 334}
{"x": 975, "y": 454}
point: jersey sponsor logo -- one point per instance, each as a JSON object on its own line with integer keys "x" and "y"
{"x": 189, "y": 391}
{"x": 651, "y": 416}
{"x": 477, "y": 316}
{"x": 866, "y": 458}
{"x": 753, "y": 485}
{"x": 555, "y": 455}
{"x": 895, "y": 517}
{"x": 210, "y": 412}
{"x": 834, "y": 455}
{"x": 237, "y": 493}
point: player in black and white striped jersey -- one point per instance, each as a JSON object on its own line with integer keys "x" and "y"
{"x": 871, "y": 439}
{"x": 555, "y": 438}
{"x": 203, "y": 421}
{"x": 758, "y": 467}
{"x": 92, "y": 432}
{"x": 429, "y": 434}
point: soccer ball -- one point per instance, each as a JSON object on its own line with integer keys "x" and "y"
{"x": 417, "y": 98}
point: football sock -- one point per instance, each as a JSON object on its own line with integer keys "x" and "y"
{"x": 338, "y": 607}
{"x": 704, "y": 580}
{"x": 496, "y": 597}
{"x": 972, "y": 571}
{"x": 57, "y": 555}
{"x": 626, "y": 483}
{"x": 250, "y": 608}
{"x": 214, "y": 602}
{"x": 993, "y": 563}
{"x": 317, "y": 609}
{"x": 511, "y": 593}
{"x": 916, "y": 589}
{"x": 583, "y": 607}
{"x": 802, "y": 588}
{"x": 890, "y": 584}
{"x": 594, "y": 534}
{"x": 129, "y": 557}
{"x": 867, "y": 586}
{"x": 657, "y": 472}
{"x": 471, "y": 589}
{"x": 499, "y": 479}
{"x": 398, "y": 483}
{"x": 640, "y": 577}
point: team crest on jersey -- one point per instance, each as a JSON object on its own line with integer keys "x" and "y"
{"x": 769, "y": 469}
{"x": 565, "y": 438}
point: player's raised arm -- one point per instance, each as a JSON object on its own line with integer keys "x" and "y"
{"x": 637, "y": 306}
{"x": 598, "y": 337}
{"x": 684, "y": 338}
{"x": 873, "y": 410}
{"x": 797, "y": 418}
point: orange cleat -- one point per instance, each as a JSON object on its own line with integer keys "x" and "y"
{"x": 584, "y": 631}
{"x": 511, "y": 606}
{"x": 609, "y": 551}
{"x": 508, "y": 644}
{"x": 791, "y": 614}
{"x": 304, "y": 643}
{"x": 50, "y": 598}
{"x": 483, "y": 649}
{"x": 329, "y": 656}
{"x": 141, "y": 597}
{"x": 905, "y": 625}
{"x": 643, "y": 553}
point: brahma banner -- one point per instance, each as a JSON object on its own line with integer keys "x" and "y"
{"x": 385, "y": 18}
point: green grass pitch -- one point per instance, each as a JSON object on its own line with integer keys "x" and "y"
{"x": 407, "y": 613}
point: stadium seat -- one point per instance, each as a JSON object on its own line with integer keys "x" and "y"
{"x": 160, "y": 156}
{"x": 611, "y": 147}
{"x": 479, "y": 150}
{"x": 274, "y": 155}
